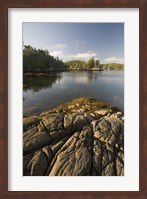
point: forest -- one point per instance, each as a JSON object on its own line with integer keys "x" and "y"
{"x": 38, "y": 60}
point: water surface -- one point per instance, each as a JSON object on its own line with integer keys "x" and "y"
{"x": 42, "y": 93}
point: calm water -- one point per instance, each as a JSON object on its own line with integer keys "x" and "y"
{"x": 42, "y": 93}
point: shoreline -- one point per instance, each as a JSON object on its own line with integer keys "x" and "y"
{"x": 49, "y": 72}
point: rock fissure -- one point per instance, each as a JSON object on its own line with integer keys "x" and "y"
{"x": 103, "y": 168}
{"x": 75, "y": 143}
{"x": 46, "y": 129}
{"x": 92, "y": 152}
{"x": 115, "y": 170}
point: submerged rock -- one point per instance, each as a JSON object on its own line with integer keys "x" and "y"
{"x": 68, "y": 142}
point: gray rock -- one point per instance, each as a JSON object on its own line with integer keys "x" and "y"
{"x": 35, "y": 138}
{"x": 74, "y": 144}
{"x": 53, "y": 122}
{"x": 29, "y": 121}
{"x": 26, "y": 160}
{"x": 79, "y": 122}
{"x": 68, "y": 122}
{"x": 74, "y": 158}
{"x": 38, "y": 165}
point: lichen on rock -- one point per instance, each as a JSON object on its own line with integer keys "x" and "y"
{"x": 83, "y": 137}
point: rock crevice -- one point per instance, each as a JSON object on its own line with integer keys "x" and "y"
{"x": 68, "y": 142}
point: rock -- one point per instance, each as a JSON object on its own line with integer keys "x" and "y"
{"x": 26, "y": 160}
{"x": 48, "y": 152}
{"x": 53, "y": 122}
{"x": 74, "y": 158}
{"x": 119, "y": 167}
{"x": 109, "y": 170}
{"x": 28, "y": 121}
{"x": 38, "y": 165}
{"x": 89, "y": 117}
{"x": 35, "y": 138}
{"x": 79, "y": 122}
{"x": 56, "y": 146}
{"x": 75, "y": 143}
{"x": 102, "y": 112}
{"x": 68, "y": 122}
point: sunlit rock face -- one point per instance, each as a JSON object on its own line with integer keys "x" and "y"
{"x": 84, "y": 137}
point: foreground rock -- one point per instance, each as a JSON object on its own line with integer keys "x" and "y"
{"x": 84, "y": 137}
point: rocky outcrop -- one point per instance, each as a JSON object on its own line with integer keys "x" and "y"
{"x": 84, "y": 137}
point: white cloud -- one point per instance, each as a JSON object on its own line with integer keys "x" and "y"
{"x": 56, "y": 53}
{"x": 97, "y": 58}
{"x": 84, "y": 56}
{"x": 114, "y": 60}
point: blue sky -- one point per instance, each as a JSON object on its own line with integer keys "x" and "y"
{"x": 103, "y": 41}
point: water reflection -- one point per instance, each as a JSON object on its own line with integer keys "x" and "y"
{"x": 41, "y": 93}
{"x": 81, "y": 77}
{"x": 39, "y": 83}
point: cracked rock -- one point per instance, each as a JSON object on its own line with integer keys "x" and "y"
{"x": 73, "y": 143}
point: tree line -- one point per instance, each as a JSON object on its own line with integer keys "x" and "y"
{"x": 40, "y": 60}
{"x": 113, "y": 66}
{"x": 79, "y": 64}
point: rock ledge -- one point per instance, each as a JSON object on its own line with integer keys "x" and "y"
{"x": 83, "y": 137}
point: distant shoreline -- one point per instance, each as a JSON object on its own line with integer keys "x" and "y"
{"x": 46, "y": 73}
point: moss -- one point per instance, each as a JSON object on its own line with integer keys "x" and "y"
{"x": 77, "y": 104}
{"x": 83, "y": 100}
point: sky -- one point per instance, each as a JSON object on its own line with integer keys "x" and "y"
{"x": 78, "y": 41}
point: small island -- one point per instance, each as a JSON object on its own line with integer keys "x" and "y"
{"x": 84, "y": 137}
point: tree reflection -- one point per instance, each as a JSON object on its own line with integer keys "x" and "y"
{"x": 38, "y": 83}
{"x": 84, "y": 76}
{"x": 92, "y": 76}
